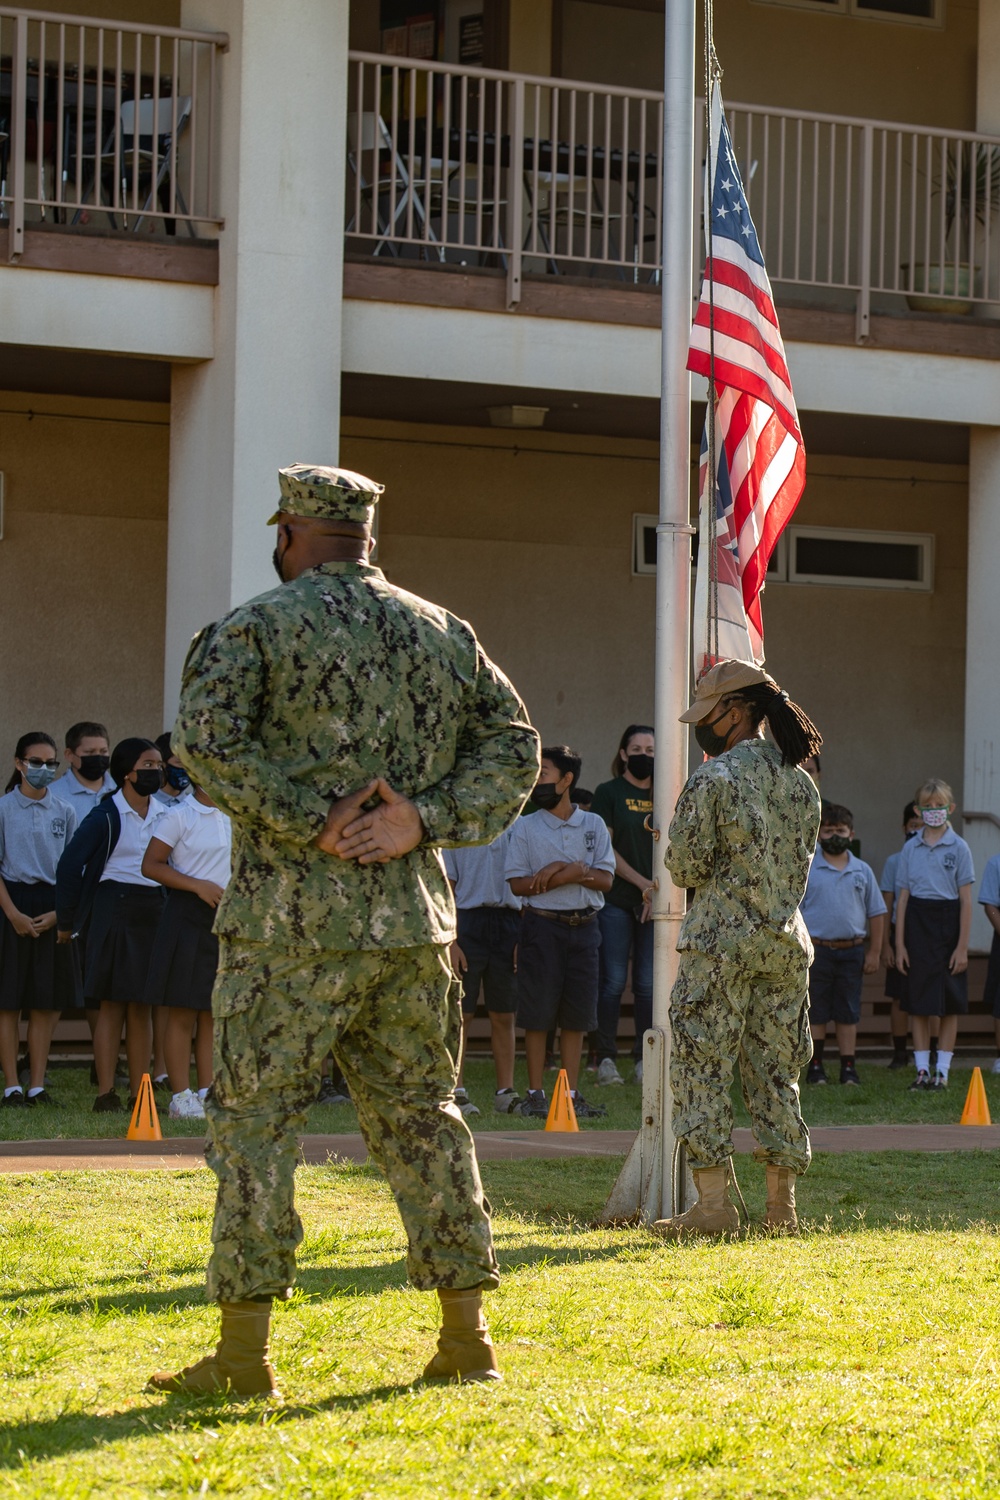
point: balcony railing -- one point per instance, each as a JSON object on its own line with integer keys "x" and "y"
{"x": 106, "y": 124}
{"x": 541, "y": 175}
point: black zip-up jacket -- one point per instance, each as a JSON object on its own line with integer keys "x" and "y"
{"x": 82, "y": 864}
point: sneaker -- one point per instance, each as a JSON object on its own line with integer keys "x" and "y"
{"x": 849, "y": 1074}
{"x": 465, "y": 1104}
{"x": 585, "y": 1111}
{"x": 161, "y": 1085}
{"x": 186, "y": 1106}
{"x": 332, "y": 1093}
{"x": 40, "y": 1098}
{"x": 922, "y": 1080}
{"x": 902, "y": 1060}
{"x": 940, "y": 1081}
{"x": 637, "y": 1075}
{"x": 107, "y": 1104}
{"x": 505, "y": 1101}
{"x": 534, "y": 1107}
{"x": 816, "y": 1073}
{"x": 14, "y": 1100}
{"x": 607, "y": 1073}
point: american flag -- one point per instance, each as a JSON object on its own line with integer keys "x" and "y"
{"x": 760, "y": 456}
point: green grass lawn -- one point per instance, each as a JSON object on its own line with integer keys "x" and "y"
{"x": 884, "y": 1097}
{"x": 859, "y": 1360}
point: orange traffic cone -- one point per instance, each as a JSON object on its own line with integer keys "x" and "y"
{"x": 145, "y": 1122}
{"x": 562, "y": 1115}
{"x": 976, "y": 1111}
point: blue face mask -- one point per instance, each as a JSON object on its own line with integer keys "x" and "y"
{"x": 177, "y": 777}
{"x": 39, "y": 777}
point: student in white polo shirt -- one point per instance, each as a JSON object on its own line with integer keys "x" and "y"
{"x": 100, "y": 876}
{"x": 560, "y": 862}
{"x": 190, "y": 854}
{"x": 934, "y": 881}
{"x": 842, "y": 900}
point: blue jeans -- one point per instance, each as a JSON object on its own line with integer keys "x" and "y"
{"x": 623, "y": 934}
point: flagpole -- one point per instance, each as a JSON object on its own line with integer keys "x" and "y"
{"x": 646, "y": 1184}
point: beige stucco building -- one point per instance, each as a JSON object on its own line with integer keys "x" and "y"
{"x": 154, "y": 381}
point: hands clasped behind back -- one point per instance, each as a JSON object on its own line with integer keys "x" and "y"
{"x": 377, "y": 835}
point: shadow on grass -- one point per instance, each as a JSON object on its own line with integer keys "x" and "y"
{"x": 73, "y": 1432}
{"x": 317, "y": 1284}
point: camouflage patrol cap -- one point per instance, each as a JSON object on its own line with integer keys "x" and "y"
{"x": 326, "y": 494}
{"x": 718, "y": 682}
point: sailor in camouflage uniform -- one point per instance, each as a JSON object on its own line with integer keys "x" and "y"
{"x": 742, "y": 836}
{"x": 351, "y": 731}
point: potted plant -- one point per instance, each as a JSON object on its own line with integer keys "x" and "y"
{"x": 969, "y": 191}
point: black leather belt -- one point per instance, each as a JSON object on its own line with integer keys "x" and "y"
{"x": 568, "y": 918}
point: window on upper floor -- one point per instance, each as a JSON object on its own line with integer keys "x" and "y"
{"x": 916, "y": 12}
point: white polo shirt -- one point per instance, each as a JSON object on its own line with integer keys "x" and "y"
{"x": 200, "y": 840}
{"x": 125, "y": 863}
{"x": 541, "y": 838}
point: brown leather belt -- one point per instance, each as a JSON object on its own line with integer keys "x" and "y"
{"x": 837, "y": 942}
{"x": 568, "y": 919}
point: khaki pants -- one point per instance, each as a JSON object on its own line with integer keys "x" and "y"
{"x": 754, "y": 1011}
{"x": 392, "y": 1019}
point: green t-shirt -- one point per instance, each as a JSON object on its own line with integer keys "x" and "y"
{"x": 624, "y": 808}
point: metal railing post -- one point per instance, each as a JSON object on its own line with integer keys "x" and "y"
{"x": 18, "y": 134}
{"x": 863, "y": 330}
{"x": 515, "y": 197}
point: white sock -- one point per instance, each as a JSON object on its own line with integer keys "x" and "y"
{"x": 944, "y": 1062}
{"x": 14, "y": 1089}
{"x": 921, "y": 1061}
{"x": 33, "y": 1092}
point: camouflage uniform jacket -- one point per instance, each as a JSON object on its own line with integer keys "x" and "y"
{"x": 743, "y": 834}
{"x": 305, "y": 694}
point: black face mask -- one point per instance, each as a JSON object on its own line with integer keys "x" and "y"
{"x": 640, "y": 766}
{"x": 147, "y": 782}
{"x": 276, "y": 560}
{"x": 713, "y": 744}
{"x": 545, "y": 795}
{"x": 93, "y": 767}
{"x": 835, "y": 844}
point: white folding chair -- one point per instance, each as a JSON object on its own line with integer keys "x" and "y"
{"x": 148, "y": 134}
{"x": 384, "y": 180}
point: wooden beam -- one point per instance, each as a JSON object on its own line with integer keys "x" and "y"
{"x": 176, "y": 259}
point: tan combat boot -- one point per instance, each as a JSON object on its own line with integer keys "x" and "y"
{"x": 714, "y": 1213}
{"x": 780, "y": 1215}
{"x": 465, "y": 1349}
{"x": 239, "y": 1365}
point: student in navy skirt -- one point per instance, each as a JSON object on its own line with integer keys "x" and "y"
{"x": 933, "y": 919}
{"x": 100, "y": 875}
{"x": 36, "y": 974}
{"x": 190, "y": 854}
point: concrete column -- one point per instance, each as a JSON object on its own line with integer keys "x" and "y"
{"x": 271, "y": 394}
{"x": 981, "y": 791}
{"x": 988, "y": 68}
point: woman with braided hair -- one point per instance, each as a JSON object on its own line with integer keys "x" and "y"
{"x": 742, "y": 836}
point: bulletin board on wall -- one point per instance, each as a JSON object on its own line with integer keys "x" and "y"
{"x": 412, "y": 28}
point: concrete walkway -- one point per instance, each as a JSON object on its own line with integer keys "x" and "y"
{"x": 184, "y": 1154}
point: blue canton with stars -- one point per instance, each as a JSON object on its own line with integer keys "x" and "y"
{"x": 730, "y": 215}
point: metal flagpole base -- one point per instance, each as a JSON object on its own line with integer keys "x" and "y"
{"x": 654, "y": 1182}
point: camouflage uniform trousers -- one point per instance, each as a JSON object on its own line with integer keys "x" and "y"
{"x": 755, "y": 1009}
{"x": 393, "y": 1022}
